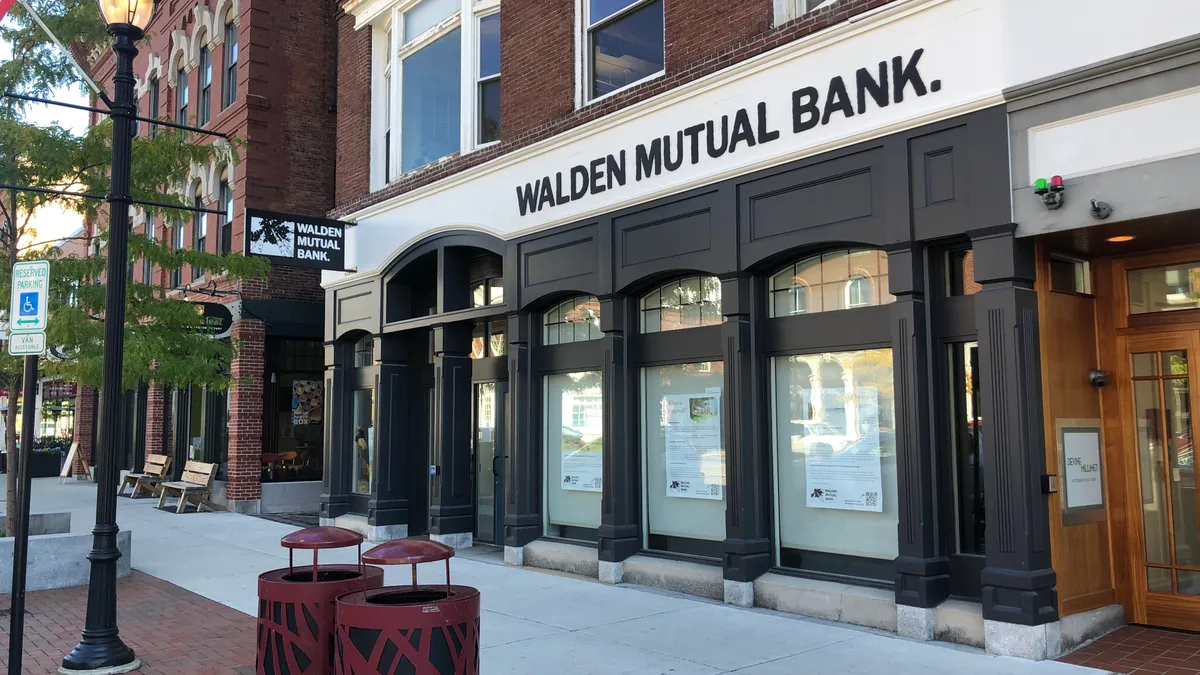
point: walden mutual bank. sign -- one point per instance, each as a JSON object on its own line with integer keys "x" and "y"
{"x": 811, "y": 107}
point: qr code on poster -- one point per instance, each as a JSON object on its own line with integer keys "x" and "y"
{"x": 872, "y": 498}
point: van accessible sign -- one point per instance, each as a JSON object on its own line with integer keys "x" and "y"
{"x": 298, "y": 241}
{"x": 870, "y": 88}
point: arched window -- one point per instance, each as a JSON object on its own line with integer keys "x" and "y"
{"x": 364, "y": 352}
{"x": 834, "y": 280}
{"x": 858, "y": 292}
{"x": 684, "y": 303}
{"x": 574, "y": 320}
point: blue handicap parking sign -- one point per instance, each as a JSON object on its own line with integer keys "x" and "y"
{"x": 28, "y": 305}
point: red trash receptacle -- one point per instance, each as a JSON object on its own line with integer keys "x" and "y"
{"x": 296, "y": 617}
{"x": 435, "y": 628}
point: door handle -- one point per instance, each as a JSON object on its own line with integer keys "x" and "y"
{"x": 497, "y": 465}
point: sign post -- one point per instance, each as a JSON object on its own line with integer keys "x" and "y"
{"x": 27, "y": 323}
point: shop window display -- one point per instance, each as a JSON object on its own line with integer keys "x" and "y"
{"x": 683, "y": 456}
{"x": 835, "y": 461}
{"x": 574, "y": 446}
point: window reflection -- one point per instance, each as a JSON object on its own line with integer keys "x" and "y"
{"x": 1164, "y": 289}
{"x": 686, "y": 303}
{"x": 967, "y": 429}
{"x": 573, "y": 320}
{"x": 835, "y": 280}
{"x": 363, "y": 421}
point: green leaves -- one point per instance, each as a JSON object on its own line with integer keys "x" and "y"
{"x": 161, "y": 340}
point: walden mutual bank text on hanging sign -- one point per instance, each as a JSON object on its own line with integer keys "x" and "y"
{"x": 842, "y": 98}
{"x": 298, "y": 241}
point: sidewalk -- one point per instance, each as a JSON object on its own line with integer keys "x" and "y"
{"x": 535, "y": 622}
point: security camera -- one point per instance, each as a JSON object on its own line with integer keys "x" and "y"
{"x": 1098, "y": 378}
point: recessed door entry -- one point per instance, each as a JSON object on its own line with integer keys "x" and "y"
{"x": 491, "y": 401}
{"x": 1157, "y": 411}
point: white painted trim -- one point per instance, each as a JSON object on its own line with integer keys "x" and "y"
{"x": 792, "y": 50}
{"x": 583, "y": 28}
{"x": 203, "y": 27}
{"x": 180, "y": 50}
{"x": 223, "y": 7}
{"x": 631, "y": 85}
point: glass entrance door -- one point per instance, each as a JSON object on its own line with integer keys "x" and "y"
{"x": 491, "y": 400}
{"x": 1158, "y": 428}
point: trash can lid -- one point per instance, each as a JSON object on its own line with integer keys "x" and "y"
{"x": 322, "y": 537}
{"x": 407, "y": 552}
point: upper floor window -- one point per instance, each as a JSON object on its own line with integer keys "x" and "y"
{"x": 147, "y": 264}
{"x": 431, "y": 97}
{"x": 489, "y": 292}
{"x": 624, "y": 43}
{"x": 574, "y": 320}
{"x": 435, "y": 84}
{"x": 789, "y": 10}
{"x": 181, "y": 96}
{"x": 204, "y": 105}
{"x": 199, "y": 234}
{"x": 488, "y": 91}
{"x": 684, "y": 303}
{"x": 844, "y": 279}
{"x": 152, "y": 113}
{"x": 229, "y": 82}
{"x": 226, "y": 196}
{"x": 177, "y": 245}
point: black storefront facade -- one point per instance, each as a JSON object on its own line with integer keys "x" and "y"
{"x": 870, "y": 299}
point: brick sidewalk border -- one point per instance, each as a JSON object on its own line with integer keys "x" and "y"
{"x": 172, "y": 630}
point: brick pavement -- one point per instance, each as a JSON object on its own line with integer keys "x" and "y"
{"x": 173, "y": 631}
{"x": 1135, "y": 650}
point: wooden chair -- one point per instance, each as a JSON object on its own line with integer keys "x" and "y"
{"x": 154, "y": 472}
{"x": 196, "y": 487}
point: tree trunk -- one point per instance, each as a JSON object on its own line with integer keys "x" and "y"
{"x": 10, "y": 444}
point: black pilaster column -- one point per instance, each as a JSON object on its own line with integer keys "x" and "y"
{"x": 1018, "y": 582}
{"x": 922, "y": 571}
{"x": 747, "y": 475}
{"x": 451, "y": 510}
{"x": 620, "y": 533}
{"x": 334, "y": 497}
{"x": 389, "y": 504}
{"x": 523, "y": 468}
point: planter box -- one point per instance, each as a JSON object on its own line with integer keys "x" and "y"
{"x": 60, "y": 560}
{"x": 45, "y": 464}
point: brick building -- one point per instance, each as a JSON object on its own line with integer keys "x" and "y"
{"x": 263, "y": 73}
{"x": 755, "y": 287}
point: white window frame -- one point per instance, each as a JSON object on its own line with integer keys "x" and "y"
{"x": 390, "y": 57}
{"x": 790, "y": 10}
{"x": 866, "y": 279}
{"x": 471, "y": 54}
{"x": 583, "y": 69}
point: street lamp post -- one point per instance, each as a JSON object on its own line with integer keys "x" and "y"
{"x": 101, "y": 649}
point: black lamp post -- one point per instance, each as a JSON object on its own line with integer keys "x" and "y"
{"x": 101, "y": 648}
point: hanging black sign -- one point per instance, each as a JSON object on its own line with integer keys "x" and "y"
{"x": 298, "y": 241}
{"x": 216, "y": 319}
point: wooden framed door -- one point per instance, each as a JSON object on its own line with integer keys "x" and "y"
{"x": 1158, "y": 388}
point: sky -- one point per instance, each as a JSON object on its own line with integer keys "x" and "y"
{"x": 52, "y": 222}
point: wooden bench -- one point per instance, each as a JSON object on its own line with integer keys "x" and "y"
{"x": 153, "y": 473}
{"x": 196, "y": 487}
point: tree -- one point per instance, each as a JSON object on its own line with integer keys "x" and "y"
{"x": 162, "y": 331}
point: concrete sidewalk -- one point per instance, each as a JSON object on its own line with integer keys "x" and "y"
{"x": 536, "y": 622}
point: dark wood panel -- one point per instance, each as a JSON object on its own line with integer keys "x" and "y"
{"x": 568, "y": 255}
{"x": 826, "y": 201}
{"x": 673, "y": 235}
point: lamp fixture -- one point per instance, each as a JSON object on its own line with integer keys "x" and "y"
{"x": 1051, "y": 191}
{"x": 1120, "y": 239}
{"x": 134, "y": 13}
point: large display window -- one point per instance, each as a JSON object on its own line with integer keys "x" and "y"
{"x": 574, "y": 453}
{"x": 683, "y": 457}
{"x": 835, "y": 462}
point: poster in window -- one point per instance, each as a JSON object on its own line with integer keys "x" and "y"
{"x": 695, "y": 457}
{"x": 843, "y": 469}
{"x": 308, "y": 402}
{"x": 582, "y": 441}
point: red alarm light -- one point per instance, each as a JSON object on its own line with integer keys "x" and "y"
{"x": 1056, "y": 184}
